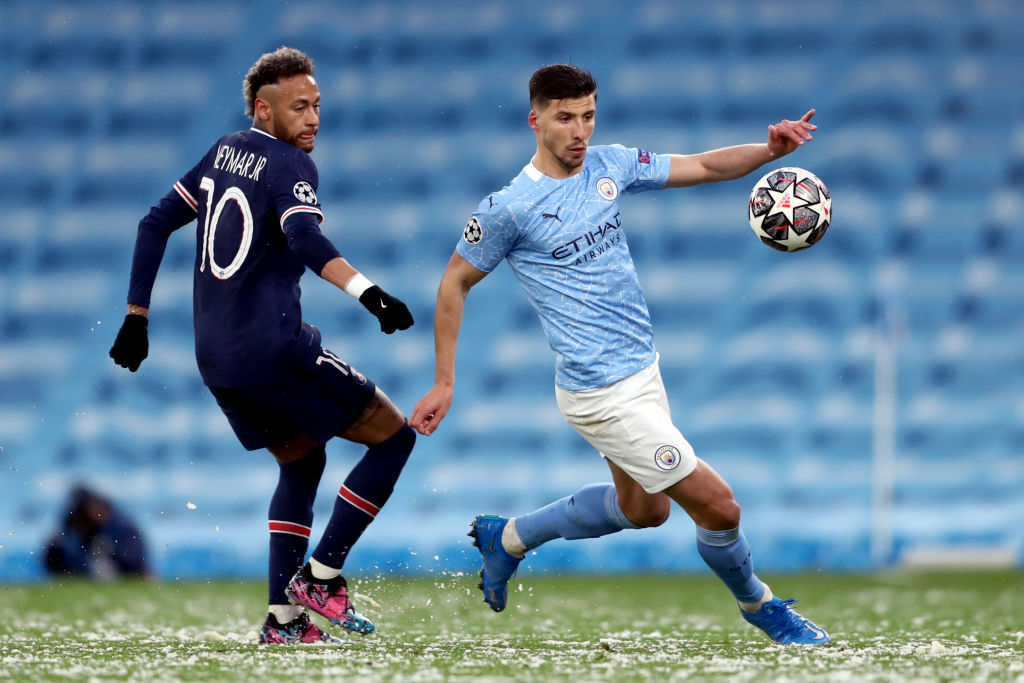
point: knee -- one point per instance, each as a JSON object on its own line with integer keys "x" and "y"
{"x": 722, "y": 514}
{"x": 305, "y": 468}
{"x": 651, "y": 515}
{"x": 405, "y": 437}
{"x": 399, "y": 444}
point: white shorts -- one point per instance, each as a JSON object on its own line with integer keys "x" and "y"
{"x": 628, "y": 422}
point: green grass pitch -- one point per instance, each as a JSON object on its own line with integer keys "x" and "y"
{"x": 937, "y": 626}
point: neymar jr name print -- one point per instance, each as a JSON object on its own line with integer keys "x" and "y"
{"x": 239, "y": 162}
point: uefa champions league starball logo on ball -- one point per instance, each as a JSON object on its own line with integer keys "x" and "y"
{"x": 303, "y": 191}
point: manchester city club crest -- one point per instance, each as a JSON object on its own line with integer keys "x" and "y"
{"x": 607, "y": 188}
{"x": 667, "y": 457}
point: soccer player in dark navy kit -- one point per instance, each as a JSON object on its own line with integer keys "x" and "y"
{"x": 254, "y": 199}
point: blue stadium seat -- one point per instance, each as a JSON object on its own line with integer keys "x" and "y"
{"x": 57, "y": 305}
{"x": 27, "y": 106}
{"x": 129, "y": 170}
{"x": 33, "y": 183}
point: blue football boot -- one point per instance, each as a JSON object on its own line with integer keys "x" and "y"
{"x": 498, "y": 565}
{"x": 784, "y": 625}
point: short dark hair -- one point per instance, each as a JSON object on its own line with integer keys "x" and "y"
{"x": 284, "y": 62}
{"x": 560, "y": 81}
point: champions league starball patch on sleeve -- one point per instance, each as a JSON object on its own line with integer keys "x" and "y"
{"x": 303, "y": 191}
{"x": 473, "y": 233}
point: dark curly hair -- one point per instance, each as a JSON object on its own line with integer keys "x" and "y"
{"x": 284, "y": 62}
{"x": 560, "y": 81}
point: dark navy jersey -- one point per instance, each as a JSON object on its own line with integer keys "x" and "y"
{"x": 254, "y": 199}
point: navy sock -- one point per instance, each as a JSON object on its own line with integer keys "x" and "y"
{"x": 590, "y": 512}
{"x": 366, "y": 489}
{"x": 291, "y": 516}
{"x": 728, "y": 555}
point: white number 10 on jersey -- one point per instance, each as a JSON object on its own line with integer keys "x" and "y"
{"x": 210, "y": 229}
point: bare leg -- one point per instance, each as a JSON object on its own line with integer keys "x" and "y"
{"x": 378, "y": 423}
{"x": 707, "y": 498}
{"x": 641, "y": 508}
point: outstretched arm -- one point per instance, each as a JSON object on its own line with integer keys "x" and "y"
{"x": 459, "y": 277}
{"x": 729, "y": 163}
{"x": 392, "y": 313}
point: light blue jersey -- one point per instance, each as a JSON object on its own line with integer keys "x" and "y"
{"x": 565, "y": 242}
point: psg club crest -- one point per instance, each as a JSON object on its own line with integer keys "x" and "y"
{"x": 667, "y": 457}
{"x": 303, "y": 191}
{"x": 607, "y": 188}
{"x": 473, "y": 233}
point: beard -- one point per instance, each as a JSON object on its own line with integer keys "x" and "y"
{"x": 569, "y": 161}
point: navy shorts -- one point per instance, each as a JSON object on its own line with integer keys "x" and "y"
{"x": 321, "y": 404}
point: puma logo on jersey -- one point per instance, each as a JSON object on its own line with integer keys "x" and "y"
{"x": 552, "y": 215}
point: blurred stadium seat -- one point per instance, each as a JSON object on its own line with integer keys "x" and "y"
{"x": 770, "y": 359}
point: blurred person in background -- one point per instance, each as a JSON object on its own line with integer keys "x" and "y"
{"x": 253, "y": 195}
{"x": 559, "y": 227}
{"x": 96, "y": 540}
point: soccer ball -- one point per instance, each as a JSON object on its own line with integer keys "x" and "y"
{"x": 789, "y": 209}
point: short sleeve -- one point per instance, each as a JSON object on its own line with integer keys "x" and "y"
{"x": 488, "y": 236}
{"x": 639, "y": 169}
{"x": 293, "y": 188}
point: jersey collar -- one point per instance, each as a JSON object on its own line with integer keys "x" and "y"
{"x": 536, "y": 175}
{"x": 257, "y": 130}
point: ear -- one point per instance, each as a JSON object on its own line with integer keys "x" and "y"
{"x": 532, "y": 119}
{"x": 262, "y": 109}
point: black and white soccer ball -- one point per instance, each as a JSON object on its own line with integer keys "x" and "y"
{"x": 789, "y": 209}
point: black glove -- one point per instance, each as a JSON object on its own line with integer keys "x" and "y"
{"x": 132, "y": 343}
{"x": 391, "y": 312}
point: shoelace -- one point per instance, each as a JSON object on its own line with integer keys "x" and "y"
{"x": 794, "y": 627}
{"x": 785, "y": 605}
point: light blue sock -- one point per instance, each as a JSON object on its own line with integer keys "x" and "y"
{"x": 728, "y": 555}
{"x": 590, "y": 512}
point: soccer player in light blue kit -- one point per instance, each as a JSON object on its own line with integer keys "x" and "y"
{"x": 559, "y": 227}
